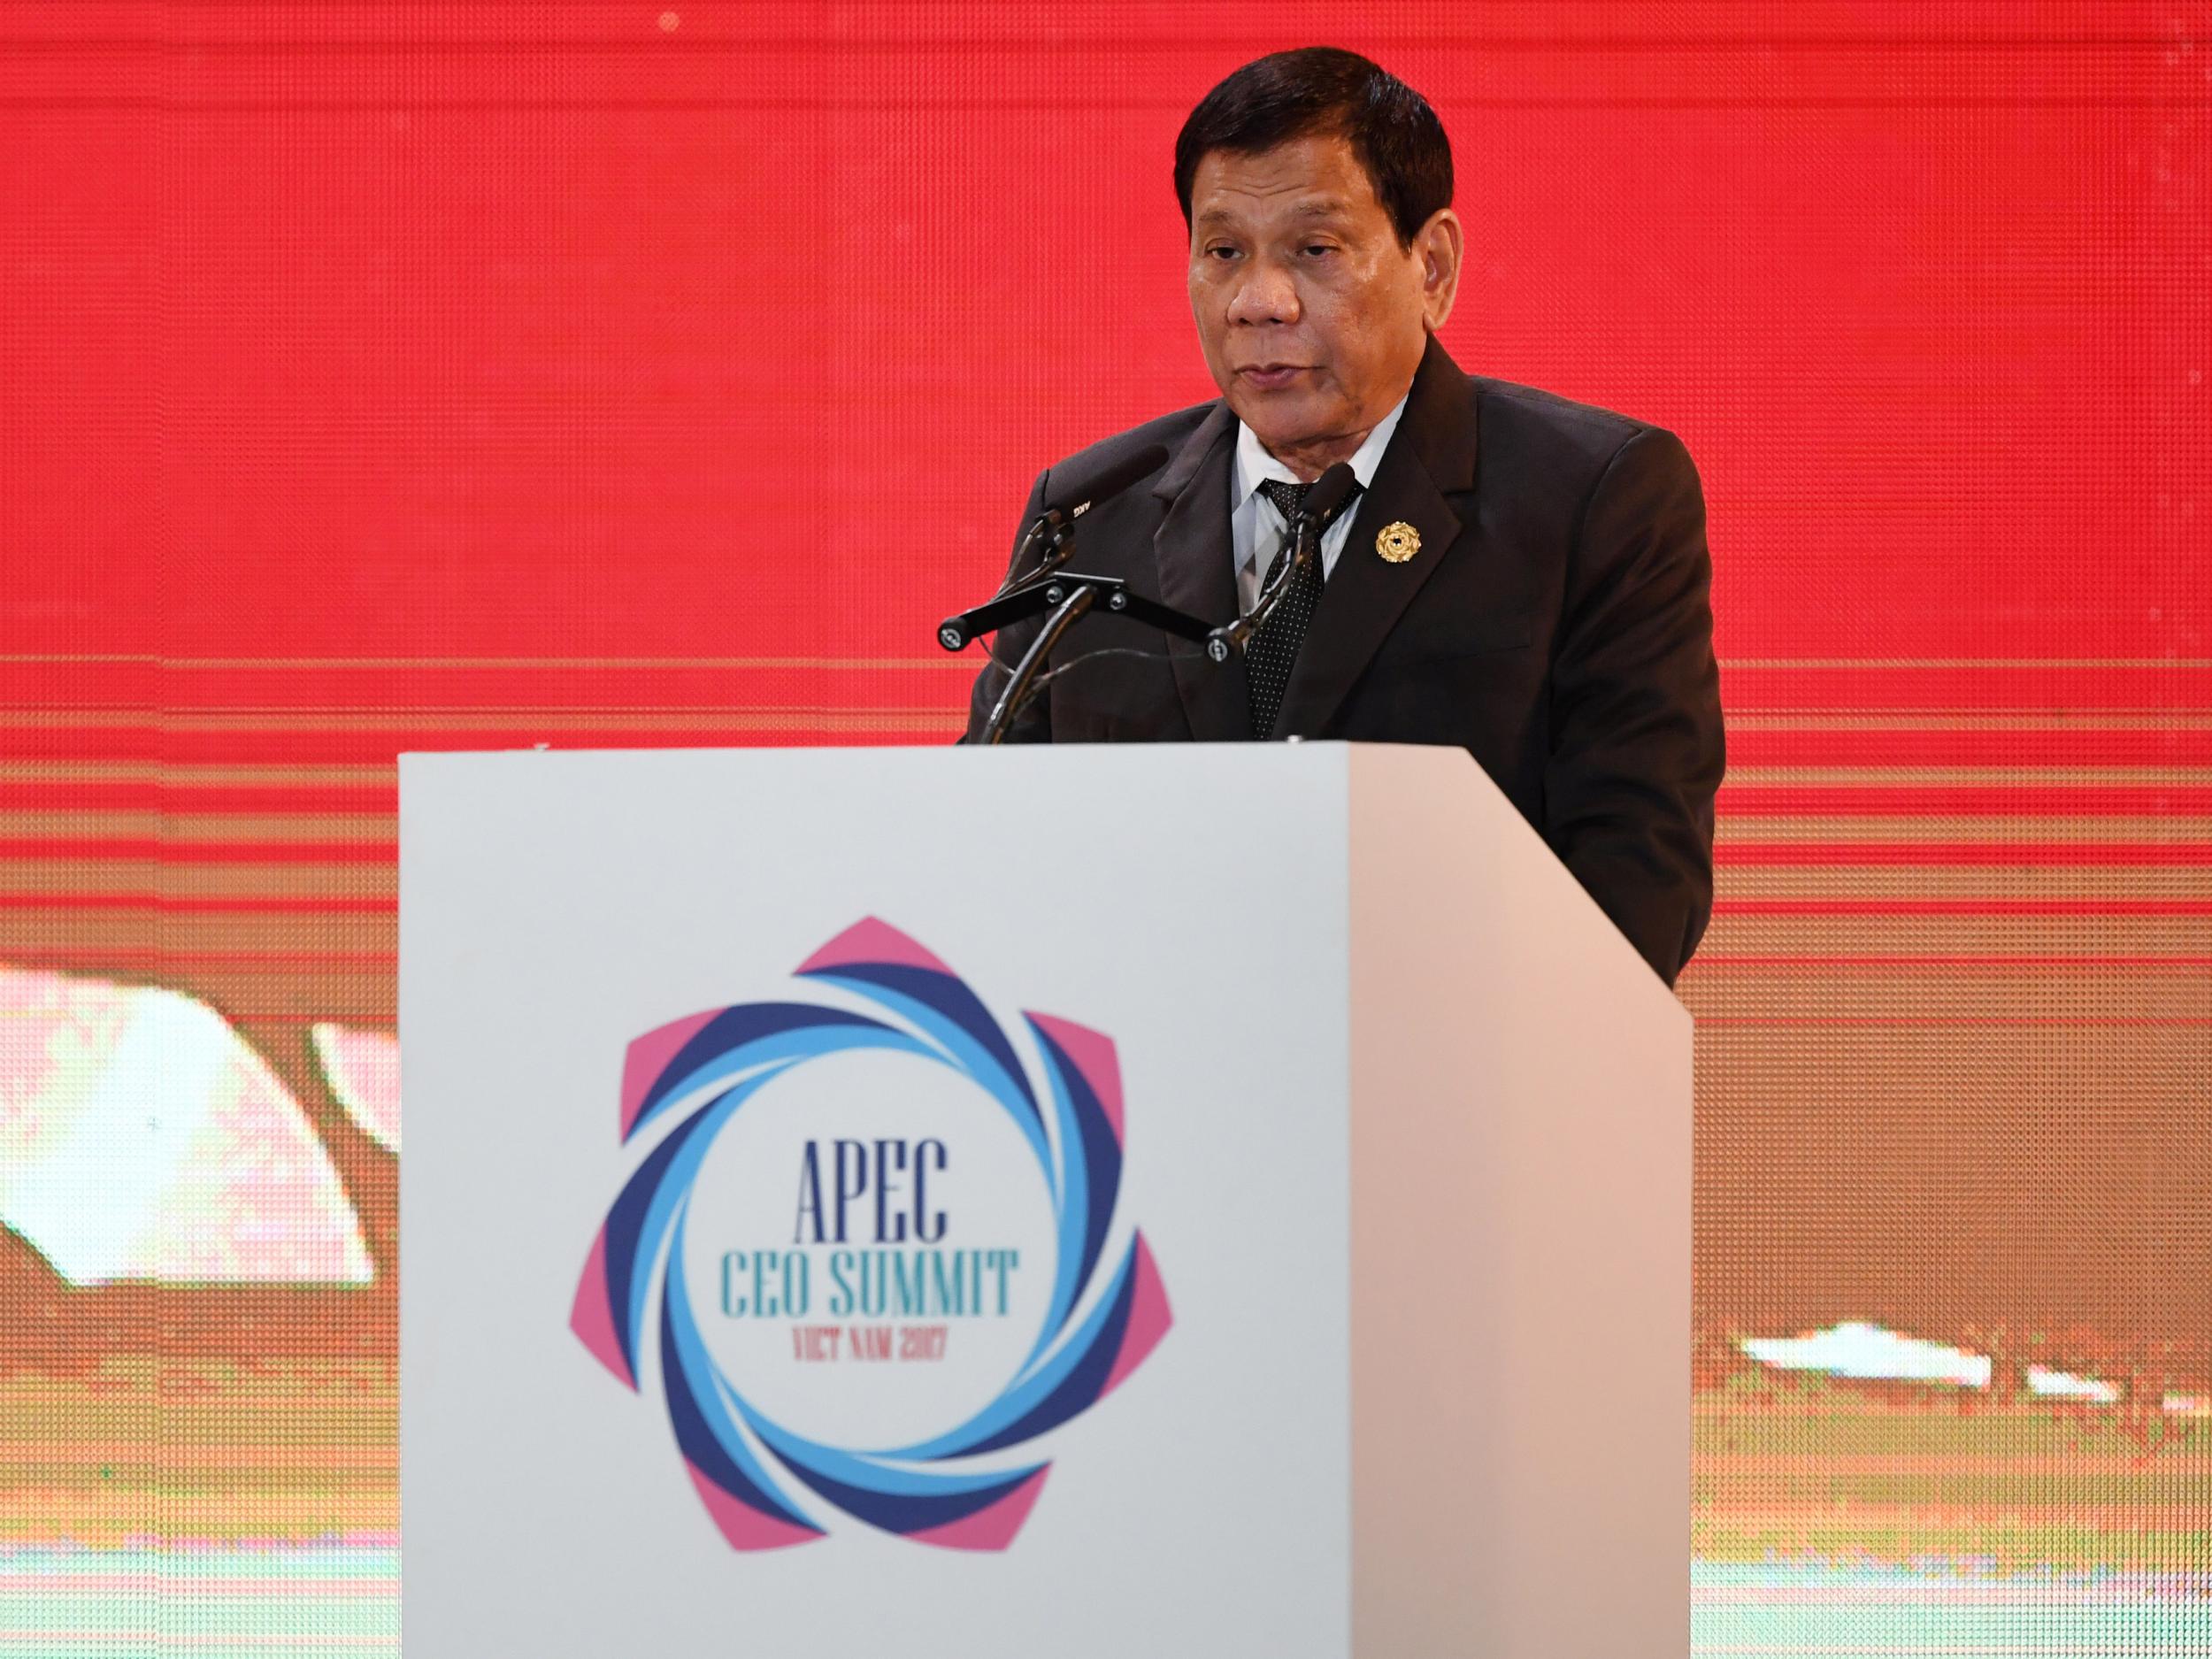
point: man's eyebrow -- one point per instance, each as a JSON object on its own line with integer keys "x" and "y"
{"x": 1320, "y": 207}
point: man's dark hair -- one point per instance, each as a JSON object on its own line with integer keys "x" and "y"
{"x": 1325, "y": 90}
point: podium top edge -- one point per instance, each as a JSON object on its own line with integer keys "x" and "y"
{"x": 422, "y": 757}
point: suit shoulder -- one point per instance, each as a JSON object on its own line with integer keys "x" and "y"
{"x": 1537, "y": 415}
{"x": 1168, "y": 430}
{"x": 1532, "y": 434}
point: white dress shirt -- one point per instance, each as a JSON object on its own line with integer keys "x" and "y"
{"x": 1256, "y": 531}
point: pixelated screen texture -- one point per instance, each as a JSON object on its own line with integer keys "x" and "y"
{"x": 391, "y": 377}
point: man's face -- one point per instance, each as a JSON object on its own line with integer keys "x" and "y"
{"x": 1312, "y": 317}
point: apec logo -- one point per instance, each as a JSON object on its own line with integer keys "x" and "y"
{"x": 870, "y": 1250}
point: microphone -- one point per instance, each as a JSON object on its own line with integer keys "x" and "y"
{"x": 1072, "y": 498}
{"x": 1324, "y": 504}
{"x": 1054, "y": 527}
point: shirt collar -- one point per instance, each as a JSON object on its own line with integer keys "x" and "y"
{"x": 1255, "y": 466}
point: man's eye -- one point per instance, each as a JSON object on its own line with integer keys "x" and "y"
{"x": 1318, "y": 249}
{"x": 1221, "y": 253}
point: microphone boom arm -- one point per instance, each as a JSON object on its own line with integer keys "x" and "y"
{"x": 1067, "y": 596}
{"x": 1032, "y": 598}
{"x": 1017, "y": 693}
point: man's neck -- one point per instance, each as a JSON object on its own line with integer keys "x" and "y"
{"x": 1308, "y": 461}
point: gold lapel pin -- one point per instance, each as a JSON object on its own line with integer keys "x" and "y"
{"x": 1397, "y": 542}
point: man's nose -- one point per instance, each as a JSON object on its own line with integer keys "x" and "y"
{"x": 1267, "y": 294}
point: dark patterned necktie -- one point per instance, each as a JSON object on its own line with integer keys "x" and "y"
{"x": 1274, "y": 648}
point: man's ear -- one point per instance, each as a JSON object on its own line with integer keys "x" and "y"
{"x": 1441, "y": 245}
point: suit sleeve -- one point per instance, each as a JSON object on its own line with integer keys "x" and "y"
{"x": 1033, "y": 723}
{"x": 1637, "y": 749}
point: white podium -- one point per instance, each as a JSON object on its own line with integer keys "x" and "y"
{"x": 1072, "y": 1203}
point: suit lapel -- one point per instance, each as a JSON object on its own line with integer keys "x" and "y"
{"x": 1192, "y": 548}
{"x": 1432, "y": 452}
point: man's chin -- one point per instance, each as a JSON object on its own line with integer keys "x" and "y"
{"x": 1287, "y": 421}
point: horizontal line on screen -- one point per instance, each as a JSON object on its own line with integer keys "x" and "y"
{"x": 160, "y": 774}
{"x": 2004, "y": 819}
{"x": 692, "y": 39}
{"x": 1937, "y": 804}
{"x": 1056, "y": 106}
{"x": 401, "y": 717}
{"x": 1845, "y": 779}
{"x": 47, "y": 1644}
{"x": 397, "y": 717}
{"x": 1965, "y": 812}
{"x": 281, "y": 664}
{"x": 379, "y": 1020}
{"x": 1882, "y": 719}
{"x": 44, "y": 955}
{"x": 278, "y": 903}
{"x": 2052, "y": 854}
{"x": 309, "y": 904}
{"x": 1811, "y": 961}
{"x": 2066, "y": 783}
{"x": 1705, "y": 961}
{"x": 1796, "y": 853}
{"x": 38, "y": 957}
{"x": 951, "y": 658}
{"x": 2125, "y": 1022}
{"x": 1847, "y": 663}
{"x": 2024, "y": 750}
{"x": 171, "y": 797}
{"x": 281, "y": 812}
{"x": 1962, "y": 907}
{"x": 186, "y": 1582}
{"x": 159, "y": 850}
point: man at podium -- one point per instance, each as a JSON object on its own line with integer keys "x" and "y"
{"x": 1509, "y": 571}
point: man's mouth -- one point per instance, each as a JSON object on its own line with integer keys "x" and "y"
{"x": 1270, "y": 376}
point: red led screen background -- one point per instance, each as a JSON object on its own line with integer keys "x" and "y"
{"x": 385, "y": 378}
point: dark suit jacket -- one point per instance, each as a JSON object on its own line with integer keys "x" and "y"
{"x": 1555, "y": 623}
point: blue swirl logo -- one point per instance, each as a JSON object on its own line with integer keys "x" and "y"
{"x": 969, "y": 1487}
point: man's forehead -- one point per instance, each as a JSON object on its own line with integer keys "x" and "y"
{"x": 1316, "y": 176}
